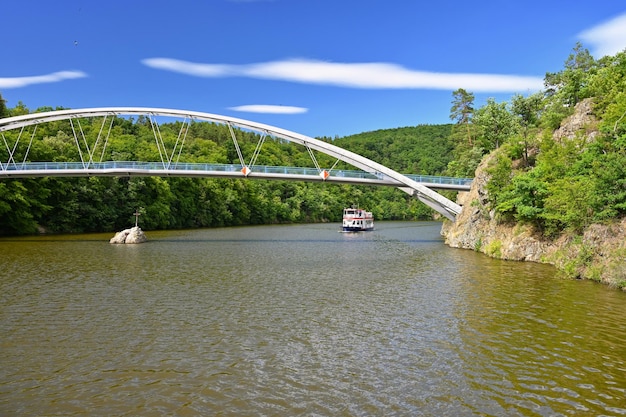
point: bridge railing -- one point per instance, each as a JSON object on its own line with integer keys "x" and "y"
{"x": 433, "y": 179}
{"x": 213, "y": 167}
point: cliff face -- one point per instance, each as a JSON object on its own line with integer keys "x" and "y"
{"x": 477, "y": 229}
{"x": 599, "y": 254}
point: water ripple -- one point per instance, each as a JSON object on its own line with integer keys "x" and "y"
{"x": 300, "y": 320}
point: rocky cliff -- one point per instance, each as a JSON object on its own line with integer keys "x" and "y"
{"x": 599, "y": 254}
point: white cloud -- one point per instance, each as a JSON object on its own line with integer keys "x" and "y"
{"x": 17, "y": 82}
{"x": 608, "y": 38}
{"x": 373, "y": 75}
{"x": 269, "y": 108}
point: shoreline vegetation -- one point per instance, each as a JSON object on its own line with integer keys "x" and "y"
{"x": 550, "y": 171}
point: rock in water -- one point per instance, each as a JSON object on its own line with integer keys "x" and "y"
{"x": 132, "y": 235}
{"x": 136, "y": 235}
{"x": 120, "y": 237}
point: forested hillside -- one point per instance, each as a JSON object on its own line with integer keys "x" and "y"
{"x": 98, "y": 204}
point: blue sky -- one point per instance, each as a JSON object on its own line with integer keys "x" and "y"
{"x": 316, "y": 67}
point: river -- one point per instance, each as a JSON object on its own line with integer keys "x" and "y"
{"x": 300, "y": 320}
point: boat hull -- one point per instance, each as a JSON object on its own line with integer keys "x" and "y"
{"x": 357, "y": 229}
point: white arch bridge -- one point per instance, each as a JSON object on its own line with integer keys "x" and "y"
{"x": 91, "y": 161}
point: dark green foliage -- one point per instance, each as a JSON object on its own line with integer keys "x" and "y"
{"x": 22, "y": 203}
{"x": 424, "y": 149}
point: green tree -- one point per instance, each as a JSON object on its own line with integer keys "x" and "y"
{"x": 523, "y": 198}
{"x": 19, "y": 110}
{"x": 465, "y": 162}
{"x": 4, "y": 112}
{"x": 527, "y": 110}
{"x": 608, "y": 83}
{"x": 22, "y": 203}
{"x": 565, "y": 88}
{"x": 570, "y": 204}
{"x": 569, "y": 85}
{"x": 500, "y": 169}
{"x": 462, "y": 111}
{"x": 496, "y": 124}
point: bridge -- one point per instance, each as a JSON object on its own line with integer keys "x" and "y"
{"x": 91, "y": 161}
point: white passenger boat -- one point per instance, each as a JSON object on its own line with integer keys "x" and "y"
{"x": 357, "y": 220}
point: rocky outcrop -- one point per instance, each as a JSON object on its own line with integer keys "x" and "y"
{"x": 132, "y": 235}
{"x": 599, "y": 254}
{"x": 477, "y": 229}
{"x": 580, "y": 124}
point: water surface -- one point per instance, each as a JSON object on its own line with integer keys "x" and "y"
{"x": 300, "y": 320}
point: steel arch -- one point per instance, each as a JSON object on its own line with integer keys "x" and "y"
{"x": 441, "y": 204}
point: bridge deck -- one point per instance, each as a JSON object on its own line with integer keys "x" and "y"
{"x": 133, "y": 168}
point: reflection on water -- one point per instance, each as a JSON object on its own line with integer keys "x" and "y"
{"x": 300, "y": 320}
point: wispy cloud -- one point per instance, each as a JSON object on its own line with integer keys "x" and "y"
{"x": 269, "y": 108}
{"x": 17, "y": 82}
{"x": 607, "y": 38}
{"x": 373, "y": 75}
